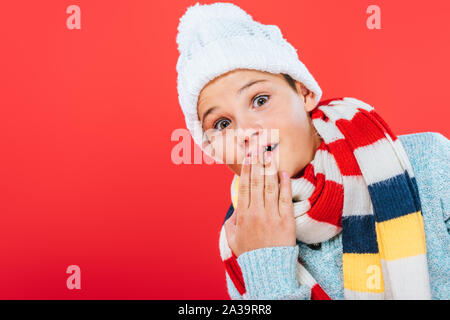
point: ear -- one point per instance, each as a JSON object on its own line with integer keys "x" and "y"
{"x": 309, "y": 98}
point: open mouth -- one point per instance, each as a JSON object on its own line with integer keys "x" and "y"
{"x": 270, "y": 147}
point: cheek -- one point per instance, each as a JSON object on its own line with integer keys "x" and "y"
{"x": 300, "y": 118}
{"x": 294, "y": 125}
{"x": 296, "y": 140}
{"x": 300, "y": 137}
{"x": 292, "y": 115}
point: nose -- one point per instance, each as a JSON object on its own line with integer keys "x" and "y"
{"x": 248, "y": 139}
{"x": 250, "y": 133}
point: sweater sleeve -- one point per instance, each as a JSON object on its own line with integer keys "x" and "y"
{"x": 441, "y": 148}
{"x": 270, "y": 274}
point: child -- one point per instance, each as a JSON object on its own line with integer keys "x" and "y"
{"x": 331, "y": 204}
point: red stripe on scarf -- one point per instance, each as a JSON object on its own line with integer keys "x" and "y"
{"x": 383, "y": 123}
{"x": 345, "y": 158}
{"x": 327, "y": 201}
{"x": 235, "y": 273}
{"x": 359, "y": 131}
{"x": 317, "y": 293}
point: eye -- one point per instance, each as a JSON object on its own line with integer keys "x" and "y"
{"x": 260, "y": 100}
{"x": 221, "y": 124}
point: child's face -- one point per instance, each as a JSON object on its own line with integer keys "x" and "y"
{"x": 263, "y": 106}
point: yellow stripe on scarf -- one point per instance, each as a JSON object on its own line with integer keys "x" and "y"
{"x": 401, "y": 237}
{"x": 362, "y": 272}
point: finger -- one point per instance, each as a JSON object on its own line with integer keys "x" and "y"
{"x": 257, "y": 182}
{"x": 285, "y": 200}
{"x": 244, "y": 185}
{"x": 271, "y": 190}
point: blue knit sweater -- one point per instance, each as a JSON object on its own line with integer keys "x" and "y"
{"x": 270, "y": 273}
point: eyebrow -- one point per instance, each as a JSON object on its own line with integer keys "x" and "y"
{"x": 208, "y": 112}
{"x": 249, "y": 85}
{"x": 245, "y": 87}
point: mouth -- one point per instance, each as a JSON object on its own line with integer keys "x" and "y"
{"x": 269, "y": 147}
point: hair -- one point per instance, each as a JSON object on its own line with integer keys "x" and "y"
{"x": 290, "y": 81}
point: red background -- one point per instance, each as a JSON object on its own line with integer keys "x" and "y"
{"x": 86, "y": 117}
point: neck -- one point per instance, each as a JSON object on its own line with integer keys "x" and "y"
{"x": 317, "y": 140}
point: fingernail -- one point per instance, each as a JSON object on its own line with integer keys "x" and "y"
{"x": 268, "y": 156}
{"x": 284, "y": 175}
{"x": 247, "y": 160}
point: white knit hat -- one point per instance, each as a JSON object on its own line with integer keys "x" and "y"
{"x": 217, "y": 38}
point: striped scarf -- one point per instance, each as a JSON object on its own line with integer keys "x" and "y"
{"x": 360, "y": 183}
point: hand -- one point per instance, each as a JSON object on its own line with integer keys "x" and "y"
{"x": 264, "y": 216}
